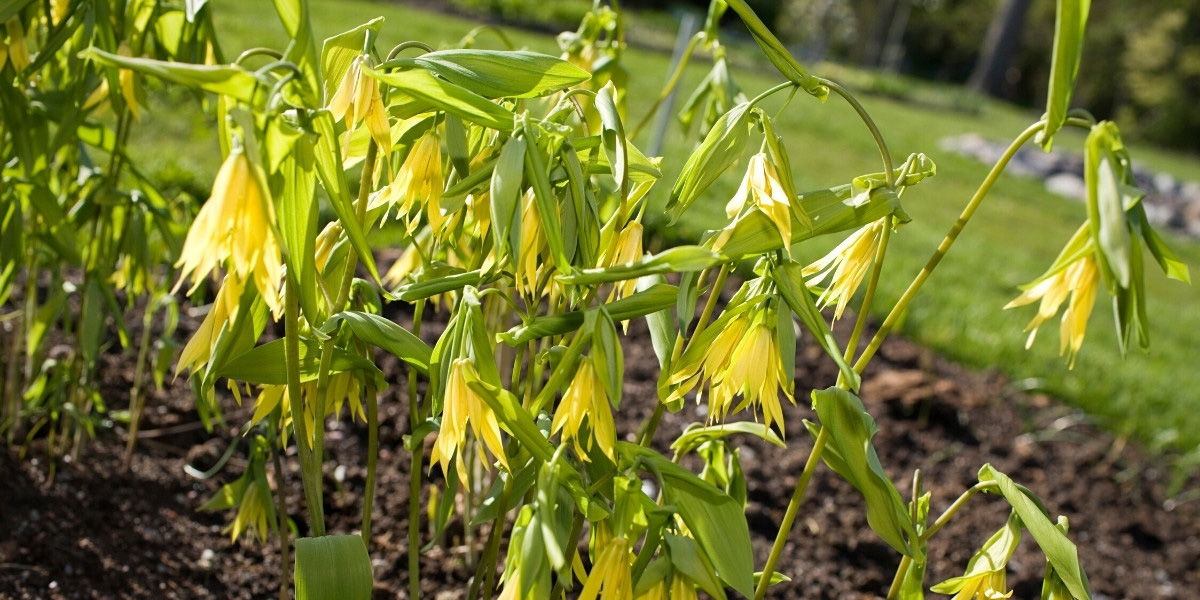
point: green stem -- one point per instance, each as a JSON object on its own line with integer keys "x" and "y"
{"x": 671, "y": 83}
{"x": 485, "y": 572}
{"x": 789, "y": 517}
{"x": 137, "y": 397}
{"x": 313, "y": 498}
{"x": 285, "y": 561}
{"x": 372, "y": 457}
{"x": 954, "y": 508}
{"x": 951, "y": 236}
{"x": 417, "y": 458}
{"x": 868, "y": 297}
{"x": 569, "y": 558}
{"x": 875, "y": 133}
{"x": 898, "y": 580}
{"x": 324, "y": 371}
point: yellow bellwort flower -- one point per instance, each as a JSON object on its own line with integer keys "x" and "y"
{"x": 742, "y": 360}
{"x": 358, "y": 100}
{"x": 533, "y": 239}
{"x": 1079, "y": 281}
{"x": 845, "y": 266}
{"x": 761, "y": 186}
{"x": 17, "y": 52}
{"x": 611, "y": 577}
{"x": 682, "y": 588}
{"x": 224, "y": 309}
{"x": 419, "y": 184}
{"x": 585, "y": 397}
{"x": 462, "y": 407}
{"x": 628, "y": 250}
{"x": 236, "y": 224}
{"x": 985, "y": 575}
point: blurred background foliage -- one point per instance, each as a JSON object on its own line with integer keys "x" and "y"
{"x": 1141, "y": 64}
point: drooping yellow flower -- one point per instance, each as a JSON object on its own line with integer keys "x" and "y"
{"x": 743, "y": 359}
{"x": 532, "y": 241}
{"x": 682, "y": 588}
{"x": 628, "y": 249}
{"x": 463, "y": 407}
{"x": 754, "y": 371}
{"x": 128, "y": 84}
{"x": 236, "y": 224}
{"x": 985, "y": 575}
{"x": 611, "y": 577}
{"x": 224, "y": 309}
{"x": 845, "y": 266}
{"x": 357, "y": 99}
{"x": 17, "y": 52}
{"x": 418, "y": 185}
{"x": 1079, "y": 281}
{"x": 761, "y": 186}
{"x": 585, "y": 397}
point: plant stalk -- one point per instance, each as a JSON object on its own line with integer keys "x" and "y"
{"x": 789, "y": 517}
{"x": 907, "y": 297}
{"x": 417, "y": 459}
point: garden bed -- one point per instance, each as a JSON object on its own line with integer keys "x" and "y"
{"x": 99, "y": 531}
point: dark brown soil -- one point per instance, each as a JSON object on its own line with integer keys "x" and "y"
{"x": 99, "y": 531}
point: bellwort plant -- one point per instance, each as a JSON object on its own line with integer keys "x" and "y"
{"x": 520, "y": 195}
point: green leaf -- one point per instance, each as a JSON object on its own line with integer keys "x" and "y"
{"x": 545, "y": 201}
{"x": 659, "y": 322}
{"x": 265, "y": 364}
{"x": 338, "y": 52}
{"x": 783, "y": 60}
{"x": 715, "y": 519}
{"x": 850, "y": 430}
{"x": 9, "y": 8}
{"x": 688, "y": 560}
{"x": 695, "y": 434}
{"x": 675, "y": 260}
{"x": 789, "y": 278}
{"x": 719, "y": 150}
{"x": 831, "y": 210}
{"x": 652, "y": 299}
{"x": 333, "y": 567}
{"x": 438, "y": 284}
{"x": 420, "y": 85}
{"x": 503, "y": 74}
{"x": 1069, "y": 26}
{"x": 333, "y": 178}
{"x": 1059, "y": 550}
{"x": 505, "y": 198}
{"x": 379, "y": 331}
{"x": 229, "y": 80}
{"x": 607, "y": 355}
{"x": 1166, "y": 258}
{"x": 297, "y": 217}
{"x": 613, "y": 136}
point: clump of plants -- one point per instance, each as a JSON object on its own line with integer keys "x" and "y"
{"x": 520, "y": 197}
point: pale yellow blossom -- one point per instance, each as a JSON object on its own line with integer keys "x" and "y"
{"x": 463, "y": 407}
{"x": 628, "y": 250}
{"x": 762, "y": 187}
{"x": 418, "y": 185}
{"x": 611, "y": 577}
{"x": 845, "y": 266}
{"x": 1079, "y": 281}
{"x": 358, "y": 100}
{"x": 235, "y": 225}
{"x": 585, "y": 397}
{"x": 742, "y": 360}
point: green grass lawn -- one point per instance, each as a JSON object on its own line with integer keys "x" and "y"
{"x": 1013, "y": 238}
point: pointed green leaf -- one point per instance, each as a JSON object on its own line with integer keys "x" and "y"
{"x": 333, "y": 178}
{"x": 850, "y": 431}
{"x": 783, "y": 60}
{"x": 1069, "y": 25}
{"x": 720, "y": 149}
{"x": 789, "y": 277}
{"x": 715, "y": 519}
{"x": 392, "y": 338}
{"x": 229, "y": 80}
{"x": 503, "y": 74}
{"x": 652, "y": 299}
{"x": 1059, "y": 550}
{"x": 420, "y": 85}
{"x": 338, "y": 52}
{"x": 333, "y": 567}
